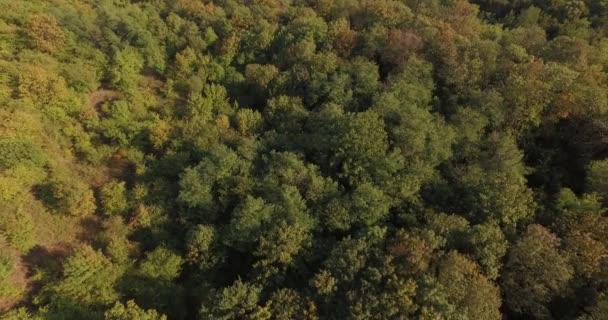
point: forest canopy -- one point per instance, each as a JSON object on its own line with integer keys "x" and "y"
{"x": 303, "y": 159}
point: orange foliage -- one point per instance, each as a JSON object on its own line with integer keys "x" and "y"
{"x": 400, "y": 46}
{"x": 45, "y": 33}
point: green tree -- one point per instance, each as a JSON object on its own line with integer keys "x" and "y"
{"x": 369, "y": 205}
{"x": 597, "y": 175}
{"x": 67, "y": 195}
{"x": 20, "y": 152}
{"x": 422, "y": 138}
{"x": 162, "y": 264}
{"x": 238, "y": 301}
{"x": 42, "y": 87}
{"x": 535, "y": 272}
{"x": 288, "y": 304}
{"x": 201, "y": 247}
{"x": 209, "y": 185}
{"x": 89, "y": 278}
{"x": 125, "y": 68}
{"x": 487, "y": 244}
{"x": 131, "y": 311}
{"x": 114, "y": 198}
{"x": 17, "y": 226}
{"x": 279, "y": 249}
{"x": 249, "y": 221}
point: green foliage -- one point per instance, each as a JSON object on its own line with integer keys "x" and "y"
{"x": 217, "y": 169}
{"x": 200, "y": 244}
{"x": 584, "y": 244}
{"x": 304, "y": 160}
{"x": 248, "y": 221}
{"x": 597, "y": 175}
{"x": 415, "y": 250}
{"x": 131, "y": 311}
{"x": 238, "y": 301}
{"x": 369, "y": 205}
{"x": 248, "y": 121}
{"x": 67, "y": 196}
{"x": 6, "y": 267}
{"x": 17, "y": 226}
{"x": 535, "y": 272}
{"x": 288, "y": 304}
{"x": 88, "y": 278}
{"x": 260, "y": 75}
{"x": 16, "y": 152}
{"x": 161, "y": 264}
{"x": 18, "y": 314}
{"x": 115, "y": 239}
{"x": 488, "y": 246}
{"x": 279, "y": 249}
{"x": 42, "y": 87}
{"x": 121, "y": 125}
{"x": 113, "y": 198}
{"x": 568, "y": 204}
{"x": 125, "y": 68}
{"x": 7, "y": 288}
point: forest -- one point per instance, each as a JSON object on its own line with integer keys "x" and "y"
{"x": 303, "y": 159}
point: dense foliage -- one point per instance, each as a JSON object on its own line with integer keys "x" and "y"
{"x": 303, "y": 159}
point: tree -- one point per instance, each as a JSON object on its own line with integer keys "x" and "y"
{"x": 20, "y": 152}
{"x": 131, "y": 311}
{"x": 124, "y": 71}
{"x": 18, "y": 314}
{"x": 114, "y": 198}
{"x": 288, "y": 304}
{"x": 597, "y": 175}
{"x": 488, "y": 246}
{"x": 422, "y": 138}
{"x": 449, "y": 227}
{"x": 42, "y": 87}
{"x": 597, "y": 311}
{"x": 361, "y": 148}
{"x": 249, "y": 221}
{"x": 238, "y": 301}
{"x": 584, "y": 243}
{"x": 343, "y": 37}
{"x": 261, "y": 75}
{"x": 162, "y": 264}
{"x": 381, "y": 294}
{"x": 115, "y": 239}
{"x": 8, "y": 289}
{"x": 278, "y": 250}
{"x": 304, "y": 159}
{"x": 535, "y": 272}
{"x": 494, "y": 186}
{"x": 472, "y": 294}
{"x": 88, "y": 278}
{"x": 45, "y": 33}
{"x": 400, "y": 46}
{"x": 568, "y": 204}
{"x": 415, "y": 251}
{"x": 369, "y": 205}
{"x": 17, "y": 226}
{"x": 201, "y": 243}
{"x": 120, "y": 122}
{"x": 209, "y": 185}
{"x": 68, "y": 196}
{"x": 526, "y": 110}
{"x": 248, "y": 121}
